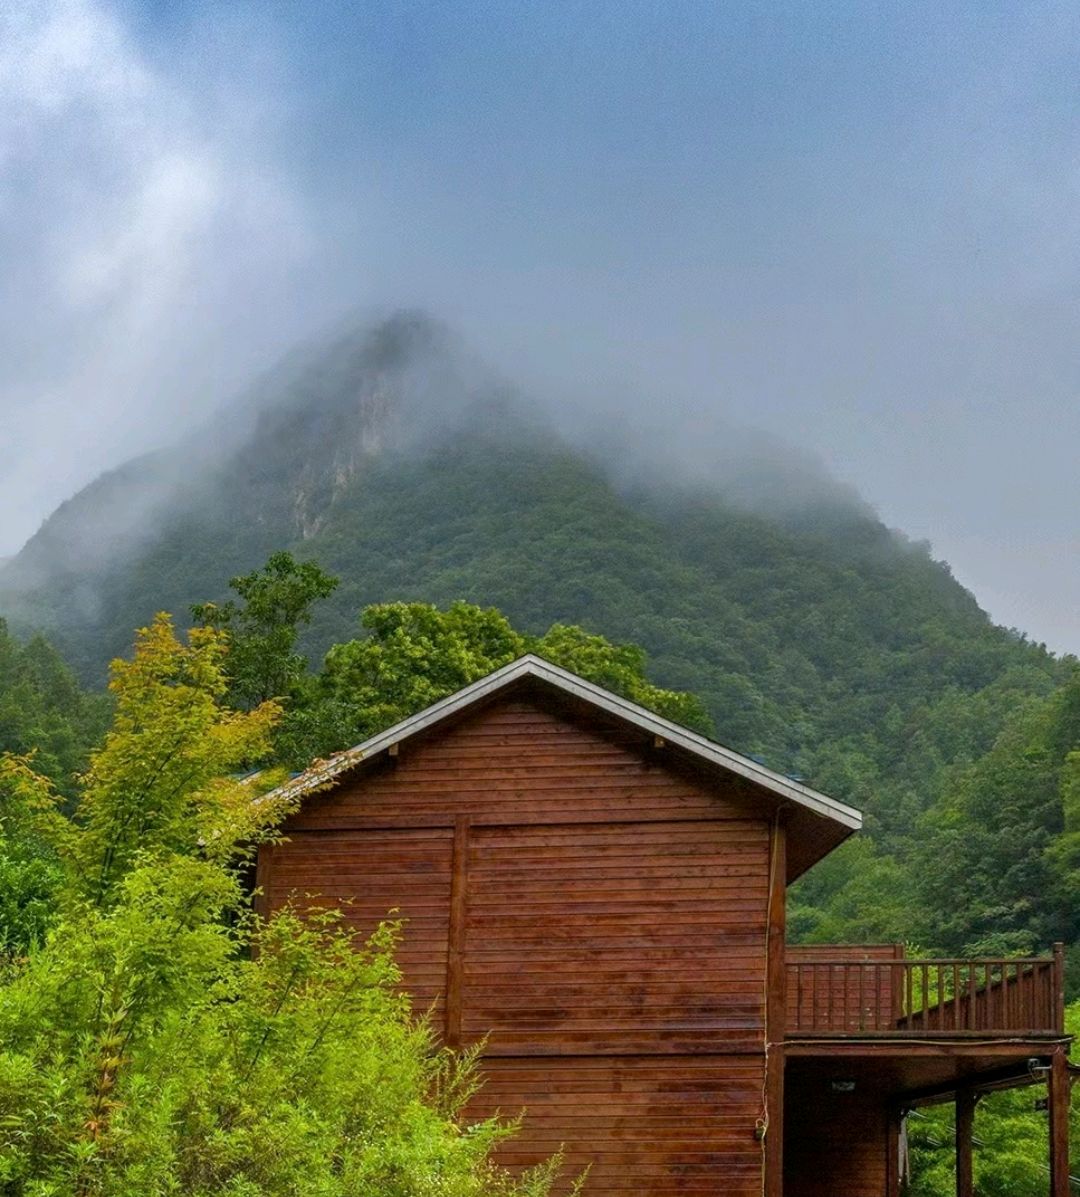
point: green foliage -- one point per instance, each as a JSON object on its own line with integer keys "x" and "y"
{"x": 44, "y": 715}
{"x": 44, "y": 711}
{"x": 164, "y": 1041}
{"x": 995, "y": 859}
{"x": 414, "y": 654}
{"x": 262, "y": 632}
{"x": 620, "y": 669}
{"x": 30, "y": 870}
{"x": 159, "y": 777}
{"x": 855, "y": 895}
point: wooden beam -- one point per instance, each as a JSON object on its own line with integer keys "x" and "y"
{"x": 775, "y": 1008}
{"x": 957, "y": 1047}
{"x": 965, "y": 1123}
{"x": 1058, "y": 1110}
{"x": 455, "y": 950}
{"x": 1010, "y": 1077}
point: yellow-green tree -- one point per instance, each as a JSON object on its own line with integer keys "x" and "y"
{"x": 163, "y": 1041}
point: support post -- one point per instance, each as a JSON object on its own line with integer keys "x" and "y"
{"x": 965, "y": 1122}
{"x": 1058, "y": 1113}
{"x": 775, "y": 1010}
{"x": 892, "y": 1151}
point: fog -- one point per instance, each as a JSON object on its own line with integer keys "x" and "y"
{"x": 854, "y": 230}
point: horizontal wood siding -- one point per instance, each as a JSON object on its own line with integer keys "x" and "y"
{"x": 636, "y": 937}
{"x": 650, "y": 1126}
{"x": 375, "y": 875}
{"x": 516, "y": 763}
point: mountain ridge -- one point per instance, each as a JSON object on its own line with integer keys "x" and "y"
{"x": 404, "y": 465}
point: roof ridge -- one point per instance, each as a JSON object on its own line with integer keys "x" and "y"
{"x": 322, "y": 773}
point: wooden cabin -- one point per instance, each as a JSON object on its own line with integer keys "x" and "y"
{"x": 601, "y": 894}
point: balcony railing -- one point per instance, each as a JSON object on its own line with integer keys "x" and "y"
{"x": 871, "y": 996}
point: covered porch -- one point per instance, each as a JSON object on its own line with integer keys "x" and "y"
{"x": 872, "y": 1036}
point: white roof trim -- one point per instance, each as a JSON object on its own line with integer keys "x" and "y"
{"x": 532, "y": 666}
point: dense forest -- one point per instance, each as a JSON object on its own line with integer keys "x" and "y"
{"x": 398, "y": 473}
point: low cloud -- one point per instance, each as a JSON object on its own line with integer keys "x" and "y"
{"x": 153, "y": 243}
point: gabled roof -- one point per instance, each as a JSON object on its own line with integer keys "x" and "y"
{"x": 825, "y": 820}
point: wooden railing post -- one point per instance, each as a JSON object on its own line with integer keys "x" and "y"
{"x": 897, "y": 980}
{"x": 1059, "y": 988}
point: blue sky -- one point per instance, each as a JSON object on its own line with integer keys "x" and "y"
{"x": 853, "y": 224}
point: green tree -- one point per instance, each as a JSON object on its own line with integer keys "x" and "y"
{"x": 993, "y": 864}
{"x": 621, "y": 669}
{"x": 30, "y": 872}
{"x": 263, "y": 628}
{"x": 43, "y": 710}
{"x": 164, "y": 1041}
{"x": 46, "y": 720}
{"x": 414, "y": 654}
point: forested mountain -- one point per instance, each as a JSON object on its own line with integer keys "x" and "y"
{"x": 44, "y": 711}
{"x": 817, "y": 638}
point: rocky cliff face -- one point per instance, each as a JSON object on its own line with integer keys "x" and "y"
{"x": 290, "y": 448}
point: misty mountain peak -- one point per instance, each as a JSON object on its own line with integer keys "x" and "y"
{"x": 316, "y": 448}
{"x": 405, "y": 338}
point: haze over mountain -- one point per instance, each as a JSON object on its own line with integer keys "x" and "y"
{"x": 400, "y": 462}
{"x": 850, "y": 225}
{"x": 731, "y": 293}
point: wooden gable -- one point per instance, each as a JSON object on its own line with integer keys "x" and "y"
{"x": 596, "y": 894}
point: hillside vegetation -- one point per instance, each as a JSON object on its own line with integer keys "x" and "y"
{"x": 816, "y": 638}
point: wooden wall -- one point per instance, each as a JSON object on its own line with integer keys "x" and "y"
{"x": 835, "y": 1143}
{"x": 598, "y": 913}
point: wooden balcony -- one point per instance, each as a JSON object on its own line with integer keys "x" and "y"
{"x": 848, "y": 992}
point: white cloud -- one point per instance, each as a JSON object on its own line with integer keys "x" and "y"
{"x": 151, "y": 236}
